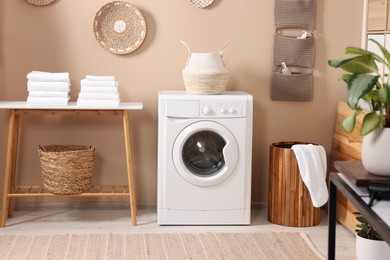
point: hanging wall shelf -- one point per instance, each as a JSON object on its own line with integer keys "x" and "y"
{"x": 294, "y": 45}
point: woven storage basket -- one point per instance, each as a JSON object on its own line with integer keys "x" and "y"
{"x": 205, "y": 84}
{"x": 66, "y": 169}
{"x": 40, "y": 2}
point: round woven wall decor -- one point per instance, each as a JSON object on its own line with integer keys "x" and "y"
{"x": 201, "y": 3}
{"x": 119, "y": 27}
{"x": 40, "y": 2}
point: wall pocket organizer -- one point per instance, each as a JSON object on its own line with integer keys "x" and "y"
{"x": 294, "y": 47}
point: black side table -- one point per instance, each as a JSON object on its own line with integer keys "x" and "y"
{"x": 376, "y": 216}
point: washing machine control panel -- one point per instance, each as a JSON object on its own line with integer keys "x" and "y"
{"x": 233, "y": 108}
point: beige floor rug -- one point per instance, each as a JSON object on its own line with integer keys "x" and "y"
{"x": 212, "y": 246}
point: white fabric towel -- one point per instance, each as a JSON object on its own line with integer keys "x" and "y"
{"x": 47, "y": 101}
{"x": 100, "y": 78}
{"x": 102, "y": 83}
{"x": 312, "y": 167}
{"x": 48, "y": 76}
{"x": 97, "y": 103}
{"x": 62, "y": 94}
{"x": 99, "y": 96}
{"x": 48, "y": 86}
{"x": 112, "y": 90}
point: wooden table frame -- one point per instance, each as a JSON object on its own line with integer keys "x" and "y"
{"x": 11, "y": 190}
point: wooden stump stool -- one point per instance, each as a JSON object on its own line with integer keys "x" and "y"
{"x": 289, "y": 202}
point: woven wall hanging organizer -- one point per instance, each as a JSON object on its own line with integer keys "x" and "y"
{"x": 201, "y": 3}
{"x": 119, "y": 27}
{"x": 294, "y": 47}
{"x": 40, "y": 2}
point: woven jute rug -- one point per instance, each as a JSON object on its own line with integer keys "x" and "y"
{"x": 213, "y": 246}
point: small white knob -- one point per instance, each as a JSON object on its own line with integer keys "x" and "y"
{"x": 207, "y": 111}
{"x": 231, "y": 111}
{"x": 223, "y": 111}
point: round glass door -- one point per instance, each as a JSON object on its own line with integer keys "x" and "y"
{"x": 202, "y": 153}
{"x": 205, "y": 153}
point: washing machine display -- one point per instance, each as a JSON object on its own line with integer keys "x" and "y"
{"x": 204, "y": 158}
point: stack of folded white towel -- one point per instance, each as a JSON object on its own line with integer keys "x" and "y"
{"x": 101, "y": 91}
{"x": 48, "y": 88}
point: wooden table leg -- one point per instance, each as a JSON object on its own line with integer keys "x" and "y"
{"x": 8, "y": 165}
{"x": 15, "y": 142}
{"x": 130, "y": 175}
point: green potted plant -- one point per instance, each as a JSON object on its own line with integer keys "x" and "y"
{"x": 368, "y": 93}
{"x": 369, "y": 244}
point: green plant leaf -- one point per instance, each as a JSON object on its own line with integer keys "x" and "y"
{"x": 385, "y": 52}
{"x": 348, "y": 124}
{"x": 382, "y": 93}
{"x": 360, "y": 51}
{"x": 346, "y": 77}
{"x": 359, "y": 84}
{"x": 357, "y": 64}
{"x": 371, "y": 121}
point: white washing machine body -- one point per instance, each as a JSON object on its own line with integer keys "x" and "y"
{"x": 204, "y": 158}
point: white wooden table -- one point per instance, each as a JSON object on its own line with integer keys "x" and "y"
{"x": 21, "y": 108}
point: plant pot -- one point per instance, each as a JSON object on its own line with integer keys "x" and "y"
{"x": 367, "y": 249}
{"x": 376, "y": 152}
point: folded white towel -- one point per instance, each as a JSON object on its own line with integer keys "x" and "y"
{"x": 48, "y": 86}
{"x": 99, "y": 96}
{"x": 47, "y": 101}
{"x": 113, "y": 90}
{"x": 100, "y": 78}
{"x": 103, "y": 83}
{"x": 48, "y": 76}
{"x": 62, "y": 94}
{"x": 312, "y": 167}
{"x": 97, "y": 103}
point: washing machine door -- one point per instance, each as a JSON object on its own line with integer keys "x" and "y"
{"x": 205, "y": 153}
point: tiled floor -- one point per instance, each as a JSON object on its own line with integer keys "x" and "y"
{"x": 59, "y": 220}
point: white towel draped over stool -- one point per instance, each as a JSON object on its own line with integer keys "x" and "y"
{"x": 312, "y": 167}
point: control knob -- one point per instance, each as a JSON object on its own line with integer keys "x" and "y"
{"x": 207, "y": 111}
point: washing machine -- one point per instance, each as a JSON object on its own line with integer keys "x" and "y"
{"x": 204, "y": 158}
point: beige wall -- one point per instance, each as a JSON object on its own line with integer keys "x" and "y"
{"x": 60, "y": 38}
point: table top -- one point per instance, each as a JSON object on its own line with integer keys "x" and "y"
{"x": 355, "y": 171}
{"x": 70, "y": 106}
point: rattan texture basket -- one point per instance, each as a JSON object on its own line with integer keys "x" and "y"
{"x": 201, "y": 3}
{"x": 66, "y": 169}
{"x": 40, "y": 2}
{"x": 205, "y": 84}
{"x": 119, "y": 27}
